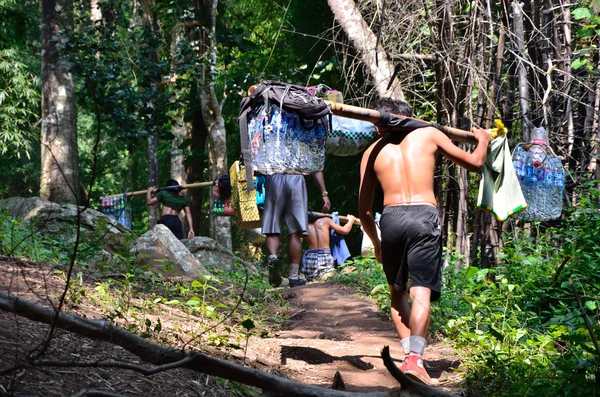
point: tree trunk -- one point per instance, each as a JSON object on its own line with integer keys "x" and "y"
{"x": 151, "y": 26}
{"x": 523, "y": 82}
{"x": 195, "y": 172}
{"x": 364, "y": 40}
{"x": 60, "y": 165}
{"x": 179, "y": 128}
{"x": 215, "y": 124}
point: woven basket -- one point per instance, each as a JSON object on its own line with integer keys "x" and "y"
{"x": 243, "y": 200}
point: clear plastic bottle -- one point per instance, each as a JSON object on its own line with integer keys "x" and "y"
{"x": 558, "y": 188}
{"x": 539, "y": 141}
{"x": 519, "y": 158}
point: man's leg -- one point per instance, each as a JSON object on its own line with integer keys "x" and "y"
{"x": 418, "y": 324}
{"x": 272, "y": 243}
{"x": 295, "y": 255}
{"x": 400, "y": 311}
{"x": 420, "y": 313}
{"x": 273, "y": 263}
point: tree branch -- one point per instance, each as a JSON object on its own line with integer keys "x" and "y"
{"x": 95, "y": 393}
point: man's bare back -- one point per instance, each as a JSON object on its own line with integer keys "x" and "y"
{"x": 318, "y": 231}
{"x": 405, "y": 166}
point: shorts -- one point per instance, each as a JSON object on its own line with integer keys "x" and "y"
{"x": 285, "y": 197}
{"x": 173, "y": 223}
{"x": 316, "y": 261}
{"x": 411, "y": 246}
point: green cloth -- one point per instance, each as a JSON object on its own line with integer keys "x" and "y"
{"x": 170, "y": 200}
{"x": 500, "y": 190}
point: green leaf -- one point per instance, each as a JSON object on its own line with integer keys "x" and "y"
{"x": 581, "y": 13}
{"x": 248, "y": 324}
{"x": 193, "y": 302}
{"x": 579, "y": 62}
{"x": 196, "y": 284}
{"x": 590, "y": 305}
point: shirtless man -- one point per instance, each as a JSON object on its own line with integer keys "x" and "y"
{"x": 411, "y": 241}
{"x": 317, "y": 260}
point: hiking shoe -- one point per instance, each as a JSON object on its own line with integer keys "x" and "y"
{"x": 274, "y": 266}
{"x": 296, "y": 282}
{"x": 413, "y": 368}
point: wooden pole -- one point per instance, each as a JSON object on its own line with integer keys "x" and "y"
{"x": 372, "y": 116}
{"x": 342, "y": 217}
{"x": 185, "y": 186}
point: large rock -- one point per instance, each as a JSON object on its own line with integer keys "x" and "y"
{"x": 160, "y": 249}
{"x": 60, "y": 221}
{"x": 213, "y": 255}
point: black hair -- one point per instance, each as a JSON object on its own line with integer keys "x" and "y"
{"x": 390, "y": 105}
{"x": 312, "y": 216}
{"x": 173, "y": 182}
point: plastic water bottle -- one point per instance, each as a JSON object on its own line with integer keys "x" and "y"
{"x": 558, "y": 187}
{"x": 539, "y": 141}
{"x": 519, "y": 158}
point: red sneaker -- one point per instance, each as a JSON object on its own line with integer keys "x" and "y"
{"x": 413, "y": 368}
{"x": 404, "y": 364}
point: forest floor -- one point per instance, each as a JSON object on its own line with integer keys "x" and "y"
{"x": 328, "y": 329}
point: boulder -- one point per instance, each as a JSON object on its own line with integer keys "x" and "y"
{"x": 160, "y": 249}
{"x": 213, "y": 255}
{"x": 60, "y": 221}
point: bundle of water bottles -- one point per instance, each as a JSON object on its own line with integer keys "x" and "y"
{"x": 117, "y": 208}
{"x": 542, "y": 179}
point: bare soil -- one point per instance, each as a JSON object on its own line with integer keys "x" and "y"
{"x": 331, "y": 329}
{"x": 328, "y": 329}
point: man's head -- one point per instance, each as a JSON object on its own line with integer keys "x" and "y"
{"x": 389, "y": 105}
{"x": 312, "y": 217}
{"x": 176, "y": 189}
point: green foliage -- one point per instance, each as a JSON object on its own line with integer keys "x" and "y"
{"x": 20, "y": 95}
{"x": 520, "y": 322}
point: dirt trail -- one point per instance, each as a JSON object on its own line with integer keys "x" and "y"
{"x": 334, "y": 330}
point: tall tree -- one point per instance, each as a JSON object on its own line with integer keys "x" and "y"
{"x": 213, "y": 117}
{"x": 60, "y": 165}
{"x": 151, "y": 28}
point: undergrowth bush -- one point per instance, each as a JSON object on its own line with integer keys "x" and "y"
{"x": 520, "y": 323}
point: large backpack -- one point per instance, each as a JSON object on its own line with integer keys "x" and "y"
{"x": 289, "y": 99}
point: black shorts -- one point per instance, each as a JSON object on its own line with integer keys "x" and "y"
{"x": 173, "y": 223}
{"x": 411, "y": 246}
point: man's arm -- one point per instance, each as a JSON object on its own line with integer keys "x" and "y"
{"x": 320, "y": 181}
{"x": 342, "y": 229}
{"x": 188, "y": 216}
{"x": 471, "y": 161}
{"x": 365, "y": 202}
{"x": 149, "y": 199}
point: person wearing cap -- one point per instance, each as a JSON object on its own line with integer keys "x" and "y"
{"x": 173, "y": 201}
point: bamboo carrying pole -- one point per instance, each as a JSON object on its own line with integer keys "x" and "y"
{"x": 143, "y": 192}
{"x": 342, "y": 217}
{"x": 373, "y": 116}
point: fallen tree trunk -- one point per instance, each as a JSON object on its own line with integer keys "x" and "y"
{"x": 164, "y": 358}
